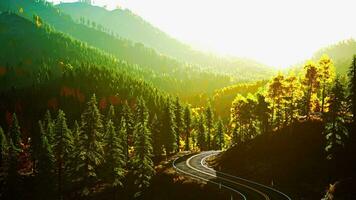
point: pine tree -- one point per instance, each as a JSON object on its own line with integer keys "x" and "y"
{"x": 311, "y": 83}
{"x": 15, "y": 133}
{"x": 115, "y": 156}
{"x": 62, "y": 148}
{"x": 76, "y": 151}
{"x": 209, "y": 125}
{"x": 178, "y": 121}
{"x": 110, "y": 116}
{"x": 335, "y": 129}
{"x": 352, "y": 90}
{"x": 326, "y": 75}
{"x": 168, "y": 129}
{"x": 201, "y": 139}
{"x": 3, "y": 148}
{"x": 220, "y": 140}
{"x": 263, "y": 112}
{"x": 156, "y": 136}
{"x": 275, "y": 94}
{"x": 236, "y": 139}
{"x": 12, "y": 175}
{"x": 48, "y": 127}
{"x": 91, "y": 145}
{"x": 128, "y": 116}
{"x": 187, "y": 123}
{"x": 142, "y": 163}
{"x": 46, "y": 165}
{"x": 292, "y": 96}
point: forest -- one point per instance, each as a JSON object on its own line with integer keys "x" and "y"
{"x": 90, "y": 111}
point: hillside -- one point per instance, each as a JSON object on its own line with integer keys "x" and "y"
{"x": 341, "y": 53}
{"x": 164, "y": 72}
{"x": 292, "y": 159}
{"x": 127, "y": 25}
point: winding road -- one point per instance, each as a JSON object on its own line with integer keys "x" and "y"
{"x": 195, "y": 166}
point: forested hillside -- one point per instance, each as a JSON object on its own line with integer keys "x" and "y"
{"x": 49, "y": 102}
{"x": 341, "y": 53}
{"x": 298, "y": 133}
{"x": 126, "y": 24}
{"x": 153, "y": 65}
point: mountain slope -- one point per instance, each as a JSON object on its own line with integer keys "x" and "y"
{"x": 164, "y": 72}
{"x": 292, "y": 159}
{"x": 128, "y": 25}
{"x": 341, "y": 53}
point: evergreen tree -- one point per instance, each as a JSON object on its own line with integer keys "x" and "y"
{"x": 187, "y": 123}
{"x": 352, "y": 90}
{"x": 110, "y": 116}
{"x": 76, "y": 151}
{"x": 128, "y": 116}
{"x": 220, "y": 140}
{"x": 115, "y": 156}
{"x": 276, "y": 93}
{"x": 46, "y": 163}
{"x": 91, "y": 145}
{"x": 201, "y": 138}
{"x": 156, "y": 136}
{"x": 168, "y": 129}
{"x": 335, "y": 129}
{"x": 326, "y": 75}
{"x": 178, "y": 113}
{"x": 15, "y": 133}
{"x": 263, "y": 112}
{"x": 311, "y": 83}
{"x": 3, "y": 148}
{"x": 62, "y": 148}
{"x": 209, "y": 125}
{"x": 292, "y": 96}
{"x": 48, "y": 127}
{"x": 236, "y": 139}
{"x": 142, "y": 163}
{"x": 13, "y": 179}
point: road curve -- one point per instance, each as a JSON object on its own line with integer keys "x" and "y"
{"x": 195, "y": 166}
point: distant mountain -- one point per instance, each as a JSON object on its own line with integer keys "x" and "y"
{"x": 164, "y": 72}
{"x": 127, "y": 25}
{"x": 341, "y": 53}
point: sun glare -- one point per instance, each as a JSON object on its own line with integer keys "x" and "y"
{"x": 278, "y": 33}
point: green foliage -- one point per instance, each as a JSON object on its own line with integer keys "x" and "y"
{"x": 130, "y": 125}
{"x": 201, "y": 138}
{"x": 187, "y": 127}
{"x": 168, "y": 128}
{"x": 114, "y": 154}
{"x": 142, "y": 164}
{"x": 46, "y": 164}
{"x": 209, "y": 120}
{"x": 352, "y": 89}
{"x": 341, "y": 53}
{"x": 311, "y": 83}
{"x": 91, "y": 145}
{"x": 157, "y": 142}
{"x": 3, "y": 147}
{"x": 62, "y": 149}
{"x": 15, "y": 132}
{"x": 179, "y": 123}
{"x": 336, "y": 134}
{"x": 219, "y": 135}
{"x": 263, "y": 113}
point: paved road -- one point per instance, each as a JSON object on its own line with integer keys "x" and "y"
{"x": 195, "y": 166}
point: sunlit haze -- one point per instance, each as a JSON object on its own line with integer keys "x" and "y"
{"x": 276, "y": 32}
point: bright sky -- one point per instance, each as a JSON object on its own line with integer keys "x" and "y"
{"x": 276, "y": 32}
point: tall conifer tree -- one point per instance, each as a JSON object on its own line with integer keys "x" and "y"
{"x": 141, "y": 162}
{"x": 91, "y": 145}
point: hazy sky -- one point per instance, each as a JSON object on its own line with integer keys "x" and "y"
{"x": 276, "y": 32}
